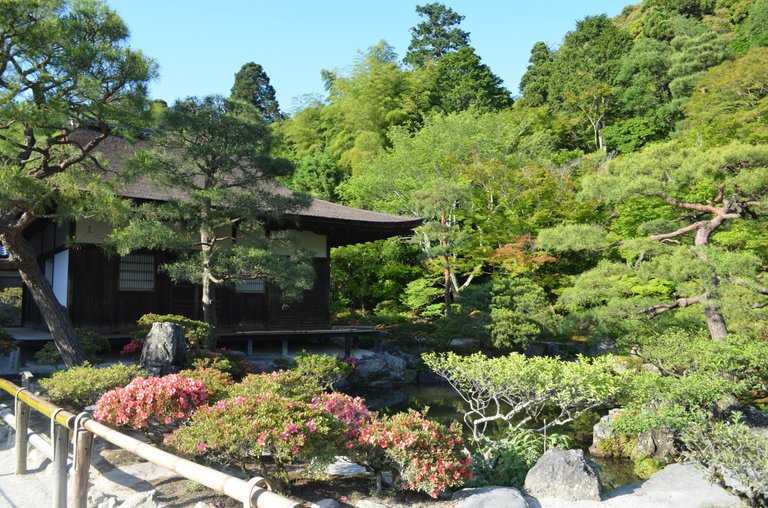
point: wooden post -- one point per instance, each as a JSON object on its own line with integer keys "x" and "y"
{"x": 84, "y": 442}
{"x": 22, "y": 442}
{"x": 347, "y": 346}
{"x": 285, "y": 346}
{"x": 249, "y": 347}
{"x": 60, "y": 454}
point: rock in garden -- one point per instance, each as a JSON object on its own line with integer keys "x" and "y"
{"x": 326, "y": 503}
{"x": 601, "y": 432}
{"x": 656, "y": 443}
{"x": 604, "y": 346}
{"x": 563, "y": 474}
{"x": 164, "y": 349}
{"x": 490, "y": 497}
{"x": 343, "y": 467}
{"x": 378, "y": 370}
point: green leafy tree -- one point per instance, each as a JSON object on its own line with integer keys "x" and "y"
{"x": 252, "y": 86}
{"x": 217, "y": 157}
{"x": 535, "y": 81}
{"x": 435, "y": 37}
{"x": 672, "y": 256}
{"x": 462, "y": 81}
{"x": 67, "y": 81}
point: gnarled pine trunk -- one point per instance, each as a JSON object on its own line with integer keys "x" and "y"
{"x": 55, "y": 315}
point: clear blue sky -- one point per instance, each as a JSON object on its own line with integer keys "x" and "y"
{"x": 200, "y": 45}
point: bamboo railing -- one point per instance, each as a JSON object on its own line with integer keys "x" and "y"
{"x": 254, "y": 493}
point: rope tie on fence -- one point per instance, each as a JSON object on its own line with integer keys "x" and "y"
{"x": 53, "y": 422}
{"x": 78, "y": 425}
{"x": 253, "y": 483}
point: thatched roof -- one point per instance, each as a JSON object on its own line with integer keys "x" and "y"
{"x": 343, "y": 224}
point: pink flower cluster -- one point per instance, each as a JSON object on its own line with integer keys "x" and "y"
{"x": 351, "y": 411}
{"x": 429, "y": 455}
{"x": 167, "y": 400}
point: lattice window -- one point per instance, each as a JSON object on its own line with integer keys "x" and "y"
{"x": 251, "y": 286}
{"x": 137, "y": 272}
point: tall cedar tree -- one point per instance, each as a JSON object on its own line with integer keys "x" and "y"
{"x": 437, "y": 36}
{"x": 64, "y": 66}
{"x": 215, "y": 154}
{"x": 252, "y": 86}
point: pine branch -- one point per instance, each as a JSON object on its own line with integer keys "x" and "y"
{"x": 661, "y": 308}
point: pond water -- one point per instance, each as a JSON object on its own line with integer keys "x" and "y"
{"x": 445, "y": 405}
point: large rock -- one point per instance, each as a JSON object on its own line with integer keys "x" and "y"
{"x": 656, "y": 443}
{"x": 490, "y": 497}
{"x": 563, "y": 474}
{"x": 378, "y": 370}
{"x": 602, "y": 432}
{"x": 164, "y": 351}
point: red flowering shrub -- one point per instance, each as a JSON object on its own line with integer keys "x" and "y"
{"x": 282, "y": 383}
{"x": 428, "y": 456}
{"x": 349, "y": 411}
{"x": 241, "y": 430}
{"x": 152, "y": 405}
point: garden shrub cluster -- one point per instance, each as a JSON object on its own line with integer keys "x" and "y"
{"x": 283, "y": 383}
{"x": 217, "y": 382}
{"x": 10, "y": 306}
{"x": 81, "y": 386}
{"x": 325, "y": 369}
{"x": 93, "y": 344}
{"x": 7, "y": 344}
{"x": 154, "y": 404}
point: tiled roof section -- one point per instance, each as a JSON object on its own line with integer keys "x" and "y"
{"x": 114, "y": 152}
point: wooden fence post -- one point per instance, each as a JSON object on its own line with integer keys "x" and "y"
{"x": 82, "y": 458}
{"x": 22, "y": 427}
{"x": 60, "y": 454}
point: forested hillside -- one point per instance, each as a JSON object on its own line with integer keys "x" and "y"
{"x": 620, "y": 192}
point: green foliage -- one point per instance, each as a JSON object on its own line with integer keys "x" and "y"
{"x": 729, "y": 451}
{"x": 318, "y": 175}
{"x": 289, "y": 384}
{"x": 437, "y": 36}
{"x": 10, "y": 306}
{"x": 93, "y": 343}
{"x": 539, "y": 391}
{"x": 665, "y": 402}
{"x": 462, "y": 82}
{"x": 323, "y": 369}
{"x": 216, "y": 381}
{"x": 506, "y": 461}
{"x": 81, "y": 386}
{"x": 252, "y": 86}
{"x": 519, "y": 313}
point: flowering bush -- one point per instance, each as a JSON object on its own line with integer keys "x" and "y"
{"x": 349, "y": 411}
{"x": 152, "y": 405}
{"x": 241, "y": 430}
{"x": 426, "y": 455}
{"x": 81, "y": 386}
{"x": 217, "y": 383}
{"x": 282, "y": 383}
{"x": 325, "y": 369}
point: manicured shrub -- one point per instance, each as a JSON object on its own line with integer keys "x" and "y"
{"x": 93, "y": 344}
{"x": 10, "y": 306}
{"x": 240, "y": 431}
{"x": 152, "y": 405}
{"x": 217, "y": 383}
{"x": 81, "y": 386}
{"x": 283, "y": 383}
{"x": 325, "y": 369}
{"x": 423, "y": 455}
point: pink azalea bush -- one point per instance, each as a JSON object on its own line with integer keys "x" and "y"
{"x": 427, "y": 455}
{"x": 241, "y": 430}
{"x": 152, "y": 405}
{"x": 351, "y": 412}
{"x": 216, "y": 382}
